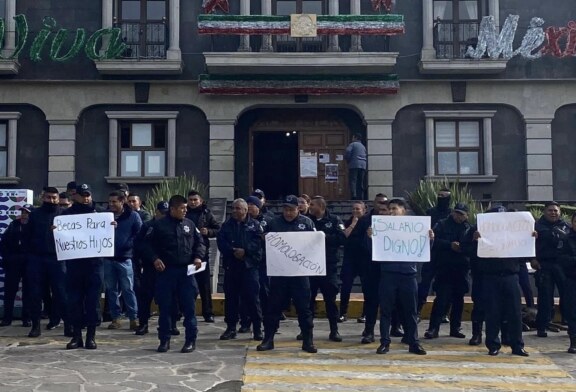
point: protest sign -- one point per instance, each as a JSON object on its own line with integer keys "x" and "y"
{"x": 296, "y": 254}
{"x": 506, "y": 234}
{"x": 400, "y": 238}
{"x": 84, "y": 236}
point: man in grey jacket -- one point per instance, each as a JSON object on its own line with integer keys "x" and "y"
{"x": 355, "y": 156}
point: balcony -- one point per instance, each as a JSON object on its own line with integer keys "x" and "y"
{"x": 451, "y": 41}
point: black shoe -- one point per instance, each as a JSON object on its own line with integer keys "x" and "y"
{"x": 228, "y": 334}
{"x": 189, "y": 346}
{"x": 361, "y": 320}
{"x": 457, "y": 334}
{"x": 142, "y": 330}
{"x": 335, "y": 336}
{"x": 35, "y": 331}
{"x": 397, "y": 333}
{"x": 5, "y": 323}
{"x": 51, "y": 326}
{"x": 364, "y": 333}
{"x": 164, "y": 346}
{"x": 417, "y": 349}
{"x": 553, "y": 328}
{"x": 174, "y": 331}
{"x": 541, "y": 334}
{"x": 493, "y": 352}
{"x": 520, "y": 352}
{"x": 244, "y": 329}
{"x": 342, "y": 318}
{"x": 282, "y": 316}
{"x": 209, "y": 319}
{"x": 258, "y": 336}
{"x": 68, "y": 331}
{"x": 476, "y": 340}
{"x": 309, "y": 348}
{"x": 266, "y": 345}
{"x": 383, "y": 349}
{"x": 90, "y": 344}
{"x": 431, "y": 334}
{"x": 445, "y": 320}
{"x": 26, "y": 324}
{"x": 369, "y": 338}
{"x": 526, "y": 327}
{"x": 75, "y": 343}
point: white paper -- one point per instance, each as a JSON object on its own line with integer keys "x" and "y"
{"x": 324, "y": 158}
{"x": 506, "y": 234}
{"x": 84, "y": 236}
{"x": 308, "y": 166}
{"x": 401, "y": 238}
{"x": 339, "y": 157}
{"x": 296, "y": 254}
{"x": 192, "y": 268}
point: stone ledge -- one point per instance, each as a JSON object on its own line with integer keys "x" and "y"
{"x": 9, "y": 180}
{"x": 462, "y": 66}
{"x": 137, "y": 180}
{"x": 466, "y": 178}
{"x": 9, "y": 67}
{"x": 139, "y": 67}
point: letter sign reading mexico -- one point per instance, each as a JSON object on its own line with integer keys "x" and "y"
{"x": 296, "y": 254}
{"x": 506, "y": 234}
{"x": 401, "y": 238}
{"x": 84, "y": 236}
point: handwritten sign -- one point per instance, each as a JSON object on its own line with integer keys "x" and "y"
{"x": 296, "y": 254}
{"x": 84, "y": 236}
{"x": 400, "y": 238}
{"x": 506, "y": 234}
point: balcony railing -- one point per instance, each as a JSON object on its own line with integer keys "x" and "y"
{"x": 144, "y": 40}
{"x": 452, "y": 39}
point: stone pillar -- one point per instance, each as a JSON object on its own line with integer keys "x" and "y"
{"x": 539, "y": 159}
{"x": 428, "y": 51}
{"x": 10, "y": 41}
{"x": 61, "y": 152}
{"x": 267, "y": 39}
{"x": 173, "y": 52}
{"x": 12, "y": 143}
{"x": 379, "y": 144}
{"x": 171, "y": 148}
{"x": 107, "y": 13}
{"x": 356, "y": 39}
{"x": 113, "y": 148}
{"x": 333, "y": 9}
{"x": 494, "y": 10}
{"x": 244, "y": 39}
{"x": 222, "y": 158}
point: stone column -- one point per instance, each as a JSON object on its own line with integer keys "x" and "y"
{"x": 539, "y": 159}
{"x": 222, "y": 158}
{"x": 494, "y": 10}
{"x": 107, "y": 13}
{"x": 244, "y": 39}
{"x": 10, "y": 41}
{"x": 428, "y": 51}
{"x": 12, "y": 143}
{"x": 333, "y": 9}
{"x": 356, "y": 39}
{"x": 61, "y": 152}
{"x": 379, "y": 144}
{"x": 267, "y": 39}
{"x": 173, "y": 52}
{"x": 171, "y": 148}
{"x": 113, "y": 148}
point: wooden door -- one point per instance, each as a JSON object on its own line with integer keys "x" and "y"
{"x": 331, "y": 180}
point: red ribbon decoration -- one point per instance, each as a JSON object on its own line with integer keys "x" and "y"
{"x": 384, "y": 4}
{"x": 211, "y": 5}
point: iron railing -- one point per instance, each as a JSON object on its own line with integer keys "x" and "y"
{"x": 144, "y": 40}
{"x": 452, "y": 39}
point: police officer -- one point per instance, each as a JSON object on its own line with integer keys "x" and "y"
{"x": 568, "y": 261}
{"x": 172, "y": 244}
{"x": 200, "y": 214}
{"x": 43, "y": 265}
{"x": 14, "y": 260}
{"x": 282, "y": 288}
{"x": 451, "y": 271}
{"x": 552, "y": 230}
{"x": 84, "y": 281}
{"x": 240, "y": 242}
{"x": 398, "y": 285}
{"x": 333, "y": 228}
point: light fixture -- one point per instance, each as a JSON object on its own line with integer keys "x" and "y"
{"x": 287, "y": 134}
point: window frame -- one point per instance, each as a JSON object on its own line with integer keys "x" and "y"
{"x": 142, "y": 149}
{"x": 299, "y": 44}
{"x": 457, "y": 29}
{"x": 457, "y": 148}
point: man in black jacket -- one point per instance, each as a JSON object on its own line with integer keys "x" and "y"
{"x": 240, "y": 242}
{"x": 198, "y": 212}
{"x": 333, "y": 228}
{"x": 552, "y": 231}
{"x": 172, "y": 245}
{"x": 14, "y": 260}
{"x": 567, "y": 260}
{"x": 44, "y": 266}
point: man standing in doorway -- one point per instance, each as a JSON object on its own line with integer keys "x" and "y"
{"x": 355, "y": 156}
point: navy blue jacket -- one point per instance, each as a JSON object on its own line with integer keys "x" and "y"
{"x": 567, "y": 256}
{"x": 39, "y": 228}
{"x": 13, "y": 242}
{"x": 550, "y": 239}
{"x": 333, "y": 228}
{"x": 203, "y": 218}
{"x": 445, "y": 232}
{"x": 245, "y": 235}
{"x": 127, "y": 228}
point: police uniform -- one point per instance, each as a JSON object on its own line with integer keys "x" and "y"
{"x": 567, "y": 260}
{"x": 177, "y": 243}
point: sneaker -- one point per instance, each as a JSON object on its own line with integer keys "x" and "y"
{"x": 115, "y": 324}
{"x": 361, "y": 320}
{"x": 134, "y": 325}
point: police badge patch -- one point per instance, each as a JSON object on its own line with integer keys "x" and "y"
{"x": 301, "y": 226}
{"x": 186, "y": 229}
{"x": 328, "y": 225}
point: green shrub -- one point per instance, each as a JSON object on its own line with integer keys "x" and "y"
{"x": 180, "y": 185}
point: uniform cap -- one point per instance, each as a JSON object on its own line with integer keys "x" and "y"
{"x": 291, "y": 201}
{"x": 162, "y": 206}
{"x": 84, "y": 189}
{"x": 254, "y": 200}
{"x": 461, "y": 208}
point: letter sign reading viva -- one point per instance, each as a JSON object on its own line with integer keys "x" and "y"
{"x": 400, "y": 238}
{"x": 296, "y": 254}
{"x": 84, "y": 236}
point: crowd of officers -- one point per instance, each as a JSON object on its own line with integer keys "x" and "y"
{"x": 166, "y": 258}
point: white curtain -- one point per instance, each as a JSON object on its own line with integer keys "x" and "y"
{"x": 443, "y": 10}
{"x": 470, "y": 7}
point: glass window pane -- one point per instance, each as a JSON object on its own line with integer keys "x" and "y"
{"x": 469, "y": 132}
{"x": 447, "y": 162}
{"x": 2, "y": 8}
{"x": 159, "y": 136}
{"x": 154, "y": 163}
{"x": 130, "y": 164}
{"x": 3, "y": 163}
{"x": 131, "y": 9}
{"x": 155, "y": 9}
{"x": 285, "y": 7}
{"x": 469, "y": 163}
{"x": 3, "y": 129}
{"x": 468, "y": 9}
{"x": 443, "y": 10}
{"x": 125, "y": 137}
{"x": 312, "y": 7}
{"x": 141, "y": 135}
{"x": 445, "y": 134}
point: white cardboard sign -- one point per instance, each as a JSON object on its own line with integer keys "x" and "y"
{"x": 506, "y": 234}
{"x": 84, "y": 236}
{"x": 401, "y": 238}
{"x": 296, "y": 254}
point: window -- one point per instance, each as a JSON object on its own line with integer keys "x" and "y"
{"x": 3, "y": 9}
{"x": 456, "y": 25}
{"x": 285, "y": 43}
{"x": 144, "y": 27}
{"x": 459, "y": 145}
{"x": 142, "y": 146}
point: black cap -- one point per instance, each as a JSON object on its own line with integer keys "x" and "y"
{"x": 254, "y": 200}
{"x": 83, "y": 189}
{"x": 291, "y": 201}
{"x": 461, "y": 207}
{"x": 259, "y": 193}
{"x": 162, "y": 206}
{"x": 497, "y": 208}
{"x": 27, "y": 207}
{"x": 71, "y": 185}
